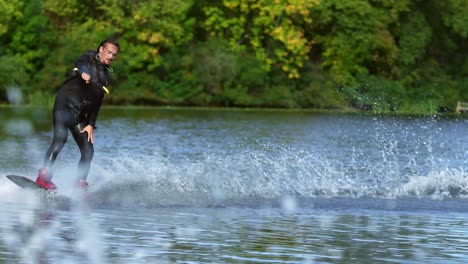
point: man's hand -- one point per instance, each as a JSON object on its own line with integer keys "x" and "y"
{"x": 85, "y": 77}
{"x": 90, "y": 130}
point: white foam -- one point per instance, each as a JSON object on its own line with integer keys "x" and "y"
{"x": 448, "y": 183}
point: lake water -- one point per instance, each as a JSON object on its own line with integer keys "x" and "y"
{"x": 225, "y": 186}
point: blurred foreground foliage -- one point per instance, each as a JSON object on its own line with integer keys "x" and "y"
{"x": 374, "y": 55}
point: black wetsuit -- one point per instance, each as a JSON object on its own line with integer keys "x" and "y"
{"x": 77, "y": 105}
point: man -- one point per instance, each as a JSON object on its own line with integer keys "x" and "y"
{"x": 76, "y": 109}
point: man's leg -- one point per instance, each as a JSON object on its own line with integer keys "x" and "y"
{"x": 87, "y": 153}
{"x": 61, "y": 120}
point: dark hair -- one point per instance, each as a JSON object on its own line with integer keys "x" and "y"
{"x": 110, "y": 41}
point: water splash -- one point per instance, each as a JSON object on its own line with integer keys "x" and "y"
{"x": 34, "y": 230}
{"x": 220, "y": 181}
{"x": 218, "y": 162}
{"x": 449, "y": 183}
{"x": 14, "y": 95}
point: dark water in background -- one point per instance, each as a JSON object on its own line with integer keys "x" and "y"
{"x": 219, "y": 186}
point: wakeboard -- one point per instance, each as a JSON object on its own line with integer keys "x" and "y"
{"x": 49, "y": 195}
{"x": 25, "y": 182}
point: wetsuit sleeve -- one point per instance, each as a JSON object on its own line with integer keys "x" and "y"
{"x": 83, "y": 63}
{"x": 92, "y": 116}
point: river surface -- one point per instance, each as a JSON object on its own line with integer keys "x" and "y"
{"x": 240, "y": 186}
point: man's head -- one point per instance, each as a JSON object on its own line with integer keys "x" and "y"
{"x": 107, "y": 50}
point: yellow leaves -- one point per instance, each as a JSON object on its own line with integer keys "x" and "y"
{"x": 9, "y": 9}
{"x": 62, "y": 8}
{"x": 294, "y": 48}
{"x": 278, "y": 33}
{"x": 155, "y": 52}
{"x": 150, "y": 37}
{"x": 304, "y": 12}
{"x": 140, "y": 18}
{"x": 143, "y": 35}
{"x": 231, "y": 4}
{"x": 155, "y": 38}
{"x": 294, "y": 74}
{"x": 275, "y": 30}
{"x": 255, "y": 43}
{"x": 244, "y": 7}
{"x": 292, "y": 37}
{"x": 291, "y": 9}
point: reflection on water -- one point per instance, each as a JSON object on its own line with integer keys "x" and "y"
{"x": 231, "y": 235}
{"x": 208, "y": 186}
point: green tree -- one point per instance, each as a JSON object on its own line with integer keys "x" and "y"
{"x": 415, "y": 35}
{"x": 384, "y": 55}
{"x": 32, "y": 36}
{"x": 12, "y": 75}
{"x": 9, "y": 11}
{"x": 454, "y": 15}
{"x": 147, "y": 28}
{"x": 13, "y": 64}
{"x": 273, "y": 30}
{"x": 356, "y": 37}
{"x": 432, "y": 41}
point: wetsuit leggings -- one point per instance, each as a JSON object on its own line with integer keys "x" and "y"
{"x": 63, "y": 121}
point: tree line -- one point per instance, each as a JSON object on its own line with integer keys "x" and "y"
{"x": 376, "y": 55}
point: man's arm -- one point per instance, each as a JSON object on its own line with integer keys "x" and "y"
{"x": 82, "y": 63}
{"x": 93, "y": 114}
{"x": 90, "y": 130}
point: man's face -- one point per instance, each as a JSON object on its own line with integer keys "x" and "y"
{"x": 107, "y": 53}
